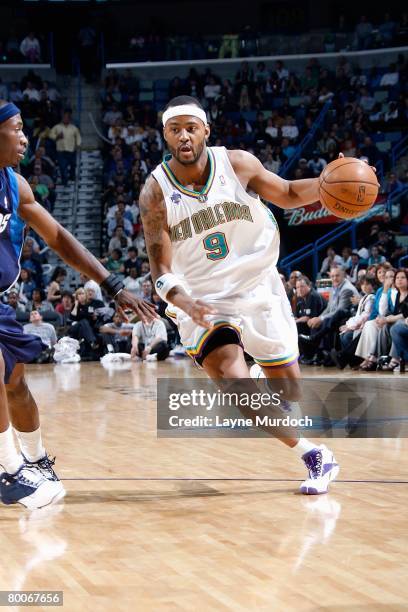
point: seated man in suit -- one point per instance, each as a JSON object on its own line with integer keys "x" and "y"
{"x": 324, "y": 327}
{"x": 309, "y": 304}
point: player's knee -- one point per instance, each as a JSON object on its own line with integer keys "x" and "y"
{"x": 291, "y": 389}
{"x": 17, "y": 386}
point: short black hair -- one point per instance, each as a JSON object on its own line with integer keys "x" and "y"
{"x": 180, "y": 100}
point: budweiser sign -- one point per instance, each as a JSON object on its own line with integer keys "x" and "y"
{"x": 315, "y": 213}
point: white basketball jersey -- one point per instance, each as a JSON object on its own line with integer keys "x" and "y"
{"x": 224, "y": 241}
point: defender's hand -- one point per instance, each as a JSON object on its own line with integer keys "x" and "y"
{"x": 144, "y": 310}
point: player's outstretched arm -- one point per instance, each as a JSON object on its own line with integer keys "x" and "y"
{"x": 158, "y": 245}
{"x": 270, "y": 186}
{"x": 72, "y": 251}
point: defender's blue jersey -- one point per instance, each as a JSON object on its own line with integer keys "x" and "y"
{"x": 11, "y": 230}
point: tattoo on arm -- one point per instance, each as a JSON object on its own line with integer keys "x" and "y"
{"x": 154, "y": 219}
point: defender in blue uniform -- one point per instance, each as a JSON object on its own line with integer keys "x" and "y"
{"x": 14, "y": 344}
{"x": 28, "y": 476}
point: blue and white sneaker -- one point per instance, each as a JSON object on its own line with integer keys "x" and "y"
{"x": 45, "y": 465}
{"x": 29, "y": 487}
{"x": 322, "y": 468}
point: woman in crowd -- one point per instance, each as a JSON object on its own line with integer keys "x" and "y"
{"x": 26, "y": 285}
{"x": 397, "y": 322}
{"x": 54, "y": 292}
{"x": 351, "y": 330}
{"x": 370, "y": 342}
{"x": 84, "y": 322}
{"x": 38, "y": 302}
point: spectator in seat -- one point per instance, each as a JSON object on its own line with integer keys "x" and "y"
{"x": 45, "y": 331}
{"x": 114, "y": 262}
{"x": 149, "y": 341}
{"x": 25, "y": 285}
{"x": 84, "y": 322}
{"x": 38, "y": 302}
{"x": 317, "y": 164}
{"x": 146, "y": 290}
{"x": 88, "y": 283}
{"x": 119, "y": 240}
{"x": 117, "y": 335}
{"x": 15, "y": 94}
{"x": 398, "y": 314}
{"x": 54, "y": 292}
{"x": 351, "y": 330}
{"x": 68, "y": 141}
{"x": 31, "y": 93}
{"x": 309, "y": 304}
{"x": 14, "y": 302}
{"x": 354, "y": 267}
{"x": 384, "y": 302}
{"x": 132, "y": 261}
{"x": 399, "y": 348}
{"x": 131, "y": 281}
{"x": 326, "y": 325}
{"x": 291, "y": 287}
{"x": 387, "y": 30}
{"x": 330, "y": 259}
{"x": 30, "y": 48}
{"x": 64, "y": 308}
{"x": 120, "y": 220}
{"x": 375, "y": 256}
{"x": 364, "y": 31}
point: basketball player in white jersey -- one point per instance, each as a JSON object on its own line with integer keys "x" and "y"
{"x": 213, "y": 250}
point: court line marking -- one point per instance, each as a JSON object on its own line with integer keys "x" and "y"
{"x": 164, "y": 479}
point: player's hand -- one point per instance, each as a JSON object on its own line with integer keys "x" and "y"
{"x": 199, "y": 312}
{"x": 145, "y": 311}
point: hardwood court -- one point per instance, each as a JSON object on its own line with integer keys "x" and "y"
{"x": 200, "y": 524}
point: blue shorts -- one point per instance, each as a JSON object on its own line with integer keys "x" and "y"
{"x": 15, "y": 345}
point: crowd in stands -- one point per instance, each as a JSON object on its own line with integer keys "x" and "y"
{"x": 365, "y": 34}
{"x": 361, "y": 321}
{"x": 28, "y": 50}
{"x": 266, "y": 110}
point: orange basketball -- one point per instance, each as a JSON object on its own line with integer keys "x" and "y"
{"x": 348, "y": 187}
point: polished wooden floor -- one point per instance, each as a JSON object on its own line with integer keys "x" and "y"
{"x": 188, "y": 524}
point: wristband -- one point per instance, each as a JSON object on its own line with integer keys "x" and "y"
{"x": 112, "y": 285}
{"x": 165, "y": 283}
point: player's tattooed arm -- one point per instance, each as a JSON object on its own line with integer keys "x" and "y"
{"x": 159, "y": 249}
{"x": 156, "y": 232}
{"x": 270, "y": 186}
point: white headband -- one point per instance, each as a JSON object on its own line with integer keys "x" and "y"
{"x": 184, "y": 109}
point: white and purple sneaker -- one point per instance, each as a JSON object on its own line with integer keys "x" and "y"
{"x": 322, "y": 468}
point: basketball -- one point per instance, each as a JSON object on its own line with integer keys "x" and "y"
{"x": 348, "y": 187}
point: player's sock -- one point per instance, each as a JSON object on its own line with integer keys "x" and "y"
{"x": 10, "y": 459}
{"x": 303, "y": 446}
{"x": 31, "y": 444}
